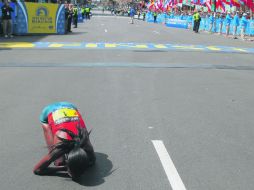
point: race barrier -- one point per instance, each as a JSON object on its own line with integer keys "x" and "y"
{"x": 37, "y": 18}
{"x": 177, "y": 23}
{"x": 186, "y": 21}
{"x": 40, "y": 18}
{"x": 205, "y": 25}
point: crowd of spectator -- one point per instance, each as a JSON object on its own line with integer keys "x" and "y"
{"x": 216, "y": 20}
{"x": 236, "y": 19}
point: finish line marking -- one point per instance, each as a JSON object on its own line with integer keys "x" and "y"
{"x": 168, "y": 165}
{"x": 124, "y": 46}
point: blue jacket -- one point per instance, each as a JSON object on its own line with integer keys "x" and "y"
{"x": 132, "y": 12}
{"x": 211, "y": 19}
{"x": 220, "y": 19}
{"x": 228, "y": 19}
{"x": 236, "y": 20}
{"x": 244, "y": 22}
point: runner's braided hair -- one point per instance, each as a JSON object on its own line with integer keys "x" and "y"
{"x": 77, "y": 141}
{"x": 77, "y": 158}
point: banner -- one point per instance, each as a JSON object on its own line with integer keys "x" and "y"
{"x": 41, "y": 17}
{"x": 176, "y": 23}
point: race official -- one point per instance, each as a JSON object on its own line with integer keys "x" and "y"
{"x": 75, "y": 16}
{"x": 197, "y": 19}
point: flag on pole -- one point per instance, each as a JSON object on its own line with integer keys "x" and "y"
{"x": 208, "y": 5}
{"x": 220, "y": 4}
{"x": 196, "y": 2}
{"x": 151, "y": 5}
{"x": 167, "y": 4}
{"x": 250, "y": 4}
{"x": 159, "y": 5}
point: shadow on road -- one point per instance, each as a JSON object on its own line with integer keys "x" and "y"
{"x": 24, "y": 38}
{"x": 95, "y": 175}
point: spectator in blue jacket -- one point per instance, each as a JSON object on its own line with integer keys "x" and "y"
{"x": 132, "y": 14}
{"x": 206, "y": 22}
{"x": 228, "y": 22}
{"x": 243, "y": 24}
{"x": 211, "y": 21}
{"x": 221, "y": 20}
{"x": 235, "y": 24}
{"x": 172, "y": 15}
{"x": 181, "y": 16}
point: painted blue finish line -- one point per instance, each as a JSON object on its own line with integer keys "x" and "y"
{"x": 124, "y": 46}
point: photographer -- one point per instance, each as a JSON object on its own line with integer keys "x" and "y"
{"x": 7, "y": 22}
{"x": 68, "y": 16}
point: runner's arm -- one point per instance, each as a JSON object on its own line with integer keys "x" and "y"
{"x": 41, "y": 168}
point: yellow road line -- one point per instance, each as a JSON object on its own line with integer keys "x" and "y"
{"x": 16, "y": 45}
{"x": 55, "y": 45}
{"x": 58, "y": 45}
{"x": 140, "y": 46}
{"x": 188, "y": 47}
{"x": 213, "y": 48}
{"x": 90, "y": 45}
{"x": 239, "y": 49}
{"x": 160, "y": 46}
{"x": 73, "y": 44}
{"x": 108, "y": 45}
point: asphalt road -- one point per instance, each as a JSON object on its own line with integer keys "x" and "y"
{"x": 199, "y": 104}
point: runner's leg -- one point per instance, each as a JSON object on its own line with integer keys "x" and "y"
{"x": 48, "y": 135}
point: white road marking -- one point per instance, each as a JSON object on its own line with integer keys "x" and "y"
{"x": 115, "y": 17}
{"x": 168, "y": 165}
{"x": 156, "y": 32}
{"x": 106, "y": 30}
{"x": 150, "y": 127}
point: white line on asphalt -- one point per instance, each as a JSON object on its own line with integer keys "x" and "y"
{"x": 106, "y": 30}
{"x": 156, "y": 32}
{"x": 115, "y": 17}
{"x": 168, "y": 165}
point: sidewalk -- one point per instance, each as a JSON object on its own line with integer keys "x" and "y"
{"x": 250, "y": 38}
{"x": 247, "y": 38}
